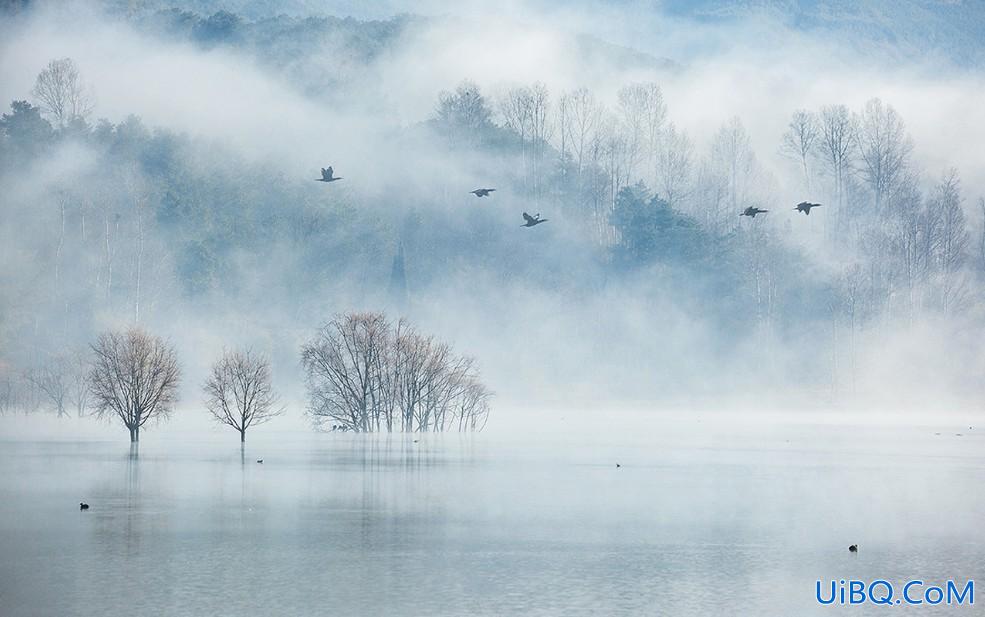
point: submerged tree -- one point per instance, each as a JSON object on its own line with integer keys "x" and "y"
{"x": 134, "y": 376}
{"x": 238, "y": 391}
{"x": 367, "y": 375}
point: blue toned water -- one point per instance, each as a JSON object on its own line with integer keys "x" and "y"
{"x": 739, "y": 519}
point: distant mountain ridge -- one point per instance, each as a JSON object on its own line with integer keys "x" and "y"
{"x": 906, "y": 28}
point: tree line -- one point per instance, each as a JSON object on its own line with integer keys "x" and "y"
{"x": 363, "y": 375}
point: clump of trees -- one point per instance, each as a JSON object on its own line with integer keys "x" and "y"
{"x": 134, "y": 377}
{"x": 239, "y": 393}
{"x": 367, "y": 374}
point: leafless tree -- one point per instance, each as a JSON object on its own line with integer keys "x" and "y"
{"x": 51, "y": 381}
{"x": 582, "y": 120}
{"x": 883, "y": 146}
{"x": 981, "y": 236}
{"x": 800, "y": 139}
{"x": 526, "y": 110}
{"x": 836, "y": 146}
{"x": 734, "y": 160}
{"x": 239, "y": 393}
{"x": 642, "y": 113}
{"x": 674, "y": 161}
{"x": 8, "y": 388}
{"x": 134, "y": 376}
{"x": 78, "y": 381}
{"x": 366, "y": 375}
{"x": 61, "y": 93}
{"x": 342, "y": 365}
{"x": 463, "y": 113}
{"x": 952, "y": 242}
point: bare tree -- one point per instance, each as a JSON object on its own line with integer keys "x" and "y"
{"x": 365, "y": 375}
{"x": 734, "y": 159}
{"x": 463, "y": 114}
{"x": 584, "y": 115}
{"x": 981, "y": 236}
{"x": 883, "y": 146}
{"x": 8, "y": 388}
{"x": 526, "y": 112}
{"x": 674, "y": 162}
{"x": 238, "y": 391}
{"x": 800, "y": 139}
{"x": 61, "y": 93}
{"x": 952, "y": 241}
{"x": 837, "y": 146}
{"x": 78, "y": 381}
{"x": 50, "y": 379}
{"x": 342, "y": 365}
{"x": 642, "y": 113}
{"x": 134, "y": 376}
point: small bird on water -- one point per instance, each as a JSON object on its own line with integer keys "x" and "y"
{"x": 618, "y": 465}
{"x": 853, "y": 548}
{"x": 83, "y": 505}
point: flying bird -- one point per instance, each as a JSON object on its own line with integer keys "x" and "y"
{"x": 83, "y": 505}
{"x": 260, "y": 460}
{"x": 532, "y": 221}
{"x": 482, "y": 192}
{"x": 327, "y": 175}
{"x": 853, "y": 548}
{"x": 805, "y": 207}
{"x": 750, "y": 211}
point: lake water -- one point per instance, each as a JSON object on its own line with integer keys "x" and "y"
{"x": 724, "y": 517}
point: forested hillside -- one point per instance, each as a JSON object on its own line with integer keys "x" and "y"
{"x": 644, "y": 282}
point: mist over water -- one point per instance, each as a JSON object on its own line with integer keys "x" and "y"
{"x": 701, "y": 517}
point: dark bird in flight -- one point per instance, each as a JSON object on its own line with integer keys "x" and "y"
{"x": 618, "y": 465}
{"x": 750, "y": 211}
{"x": 260, "y": 460}
{"x": 327, "y": 175}
{"x": 531, "y": 221}
{"x": 482, "y": 192}
{"x": 805, "y": 207}
{"x": 83, "y": 505}
{"x": 853, "y": 548}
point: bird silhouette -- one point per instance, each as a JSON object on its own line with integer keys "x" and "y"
{"x": 260, "y": 460}
{"x": 83, "y": 505}
{"x": 327, "y": 175}
{"x": 752, "y": 212}
{"x": 805, "y": 207}
{"x": 482, "y": 192}
{"x": 532, "y": 221}
{"x": 853, "y": 548}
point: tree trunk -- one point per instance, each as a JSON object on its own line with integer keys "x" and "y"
{"x": 242, "y": 436}
{"x": 135, "y": 434}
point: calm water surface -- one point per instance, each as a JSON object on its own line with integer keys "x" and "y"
{"x": 735, "y": 520}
